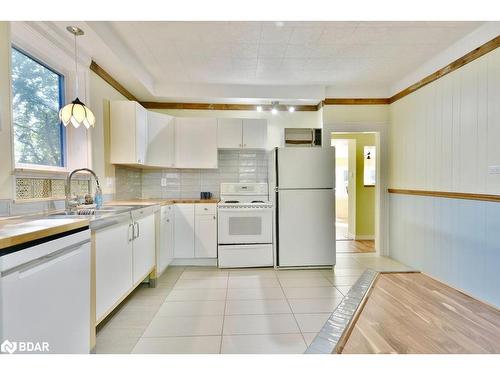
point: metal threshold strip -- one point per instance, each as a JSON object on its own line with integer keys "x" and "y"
{"x": 337, "y": 329}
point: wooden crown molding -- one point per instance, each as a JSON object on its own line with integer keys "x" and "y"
{"x": 447, "y": 194}
{"x": 355, "y": 101}
{"x": 111, "y": 81}
{"x": 224, "y": 107}
{"x": 458, "y": 63}
{"x": 467, "y": 58}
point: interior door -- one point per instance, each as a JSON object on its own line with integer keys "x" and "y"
{"x": 351, "y": 189}
{"x": 306, "y": 228}
{"x": 304, "y": 168}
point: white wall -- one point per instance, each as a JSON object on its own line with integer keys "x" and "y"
{"x": 5, "y": 116}
{"x": 445, "y": 135}
{"x": 100, "y": 95}
{"x": 342, "y": 114}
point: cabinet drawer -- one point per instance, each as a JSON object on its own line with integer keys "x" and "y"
{"x": 205, "y": 208}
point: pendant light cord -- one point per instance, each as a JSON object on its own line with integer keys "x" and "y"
{"x": 76, "y": 70}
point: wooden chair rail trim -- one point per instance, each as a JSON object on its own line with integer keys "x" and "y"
{"x": 448, "y": 194}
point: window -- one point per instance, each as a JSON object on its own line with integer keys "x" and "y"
{"x": 37, "y": 96}
{"x": 369, "y": 172}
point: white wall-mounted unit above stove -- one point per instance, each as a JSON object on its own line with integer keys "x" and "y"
{"x": 245, "y": 226}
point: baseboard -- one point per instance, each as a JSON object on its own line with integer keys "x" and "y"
{"x": 365, "y": 237}
{"x": 194, "y": 262}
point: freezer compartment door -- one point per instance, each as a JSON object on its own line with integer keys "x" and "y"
{"x": 306, "y": 168}
{"x": 306, "y": 227}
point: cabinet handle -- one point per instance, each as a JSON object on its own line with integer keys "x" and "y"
{"x": 131, "y": 238}
{"x": 206, "y": 209}
{"x": 241, "y": 145}
{"x": 138, "y": 230}
{"x": 168, "y": 220}
{"x": 215, "y": 217}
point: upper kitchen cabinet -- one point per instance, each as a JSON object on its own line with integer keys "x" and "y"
{"x": 128, "y": 132}
{"x": 195, "y": 142}
{"x": 229, "y": 133}
{"x": 161, "y": 140}
{"x": 241, "y": 133}
{"x": 254, "y": 133}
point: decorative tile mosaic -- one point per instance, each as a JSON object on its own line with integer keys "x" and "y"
{"x": 24, "y": 188}
{"x": 43, "y": 188}
{"x": 58, "y": 188}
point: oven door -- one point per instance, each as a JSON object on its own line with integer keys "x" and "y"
{"x": 245, "y": 225}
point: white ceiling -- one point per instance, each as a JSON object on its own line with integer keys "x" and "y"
{"x": 252, "y": 60}
{"x": 290, "y": 53}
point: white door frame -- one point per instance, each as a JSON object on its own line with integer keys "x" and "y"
{"x": 381, "y": 200}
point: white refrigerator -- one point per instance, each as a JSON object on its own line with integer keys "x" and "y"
{"x": 303, "y": 182}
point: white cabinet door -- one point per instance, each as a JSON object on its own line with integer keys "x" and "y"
{"x": 254, "y": 133}
{"x": 113, "y": 248}
{"x": 128, "y": 132}
{"x": 141, "y": 140}
{"x": 184, "y": 231}
{"x": 205, "y": 236}
{"x": 195, "y": 142}
{"x": 144, "y": 247}
{"x": 165, "y": 247}
{"x": 161, "y": 140}
{"x": 229, "y": 133}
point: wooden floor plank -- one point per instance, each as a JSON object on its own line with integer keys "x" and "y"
{"x": 413, "y": 313}
{"x": 355, "y": 246}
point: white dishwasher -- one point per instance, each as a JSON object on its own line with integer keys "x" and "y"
{"x": 45, "y": 296}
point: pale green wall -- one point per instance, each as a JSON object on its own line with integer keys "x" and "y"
{"x": 365, "y": 196}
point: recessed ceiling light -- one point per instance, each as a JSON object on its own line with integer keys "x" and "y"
{"x": 279, "y": 23}
{"x": 259, "y": 108}
{"x": 291, "y": 109}
{"x": 274, "y": 110}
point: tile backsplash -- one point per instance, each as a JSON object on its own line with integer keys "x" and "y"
{"x": 234, "y": 166}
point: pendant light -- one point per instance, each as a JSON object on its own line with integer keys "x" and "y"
{"x": 76, "y": 113}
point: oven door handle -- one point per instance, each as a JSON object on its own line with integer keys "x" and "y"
{"x": 267, "y": 209}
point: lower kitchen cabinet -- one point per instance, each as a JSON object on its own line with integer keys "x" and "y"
{"x": 166, "y": 239}
{"x": 195, "y": 231}
{"x": 125, "y": 254}
{"x": 143, "y": 246}
{"x": 205, "y": 245}
{"x": 114, "y": 273}
{"x": 184, "y": 231}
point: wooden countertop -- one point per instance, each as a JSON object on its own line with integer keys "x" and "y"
{"x": 16, "y": 231}
{"x": 160, "y": 201}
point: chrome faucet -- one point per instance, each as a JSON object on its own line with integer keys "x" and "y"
{"x": 69, "y": 204}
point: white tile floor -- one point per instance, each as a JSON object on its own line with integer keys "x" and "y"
{"x": 207, "y": 310}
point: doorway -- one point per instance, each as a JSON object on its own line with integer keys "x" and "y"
{"x": 355, "y": 181}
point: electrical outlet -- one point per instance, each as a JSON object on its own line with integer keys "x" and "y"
{"x": 494, "y": 169}
{"x": 163, "y": 182}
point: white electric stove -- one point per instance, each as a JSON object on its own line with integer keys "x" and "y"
{"x": 245, "y": 227}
